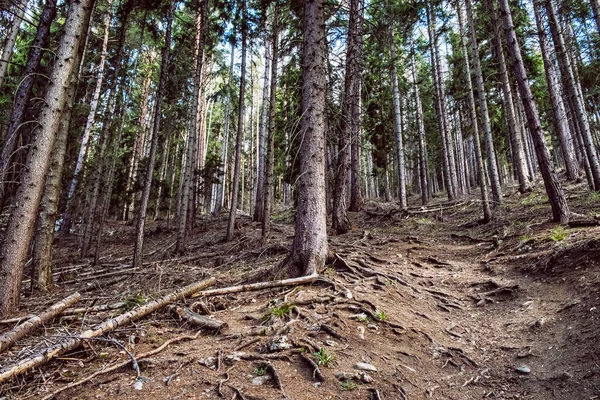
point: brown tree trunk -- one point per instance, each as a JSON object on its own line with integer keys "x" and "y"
{"x": 9, "y": 44}
{"x": 556, "y": 196}
{"x": 421, "y": 127}
{"x": 259, "y": 204}
{"x": 310, "y": 248}
{"x": 21, "y": 221}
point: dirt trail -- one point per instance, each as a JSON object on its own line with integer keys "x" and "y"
{"x": 489, "y": 312}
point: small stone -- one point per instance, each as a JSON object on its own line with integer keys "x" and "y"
{"x": 361, "y": 332}
{"x": 365, "y": 367}
{"x": 317, "y": 384}
{"x": 373, "y": 327}
{"x": 360, "y": 317}
{"x": 364, "y": 377}
{"x": 330, "y": 343}
{"x": 138, "y": 385}
{"x": 279, "y": 343}
{"x": 261, "y": 380}
{"x": 344, "y": 376}
{"x": 523, "y": 369}
{"x": 563, "y": 376}
{"x": 208, "y": 362}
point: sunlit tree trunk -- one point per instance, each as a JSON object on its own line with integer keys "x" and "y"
{"x": 421, "y": 128}
{"x": 9, "y": 44}
{"x": 398, "y": 125}
{"x": 556, "y": 196}
{"x": 21, "y": 222}
{"x": 262, "y": 133}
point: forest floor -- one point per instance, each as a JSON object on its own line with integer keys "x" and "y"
{"x": 441, "y": 307}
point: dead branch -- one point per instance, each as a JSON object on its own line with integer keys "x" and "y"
{"x": 121, "y": 364}
{"x": 58, "y": 349}
{"x": 100, "y": 308}
{"x": 259, "y": 285}
{"x": 198, "y": 320}
{"x": 9, "y": 338}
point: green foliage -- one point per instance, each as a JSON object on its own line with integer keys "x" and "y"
{"x": 381, "y": 315}
{"x": 558, "y": 234}
{"x": 324, "y": 358}
{"x": 349, "y": 385}
{"x": 534, "y": 199}
{"x": 136, "y": 300}
{"x": 260, "y": 370}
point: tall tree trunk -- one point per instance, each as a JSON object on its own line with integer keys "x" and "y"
{"x": 349, "y": 121}
{"x": 22, "y": 220}
{"x": 9, "y": 44}
{"x": 421, "y": 128}
{"x": 41, "y": 278}
{"x": 262, "y": 133}
{"x": 483, "y": 111}
{"x": 556, "y": 196}
{"x": 515, "y": 139}
{"x": 596, "y": 13}
{"x": 23, "y": 95}
{"x": 310, "y": 248}
{"x": 573, "y": 90}
{"x": 398, "y": 124}
{"x": 189, "y": 159}
{"x": 479, "y": 171}
{"x": 220, "y": 187}
{"x": 270, "y": 150}
{"x": 560, "y": 114}
{"x": 240, "y": 130}
{"x": 356, "y": 198}
{"x": 90, "y": 120}
{"x": 160, "y": 93}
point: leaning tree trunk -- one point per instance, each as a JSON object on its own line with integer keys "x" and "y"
{"x": 596, "y": 12}
{"x": 480, "y": 169}
{"x": 90, "y": 120}
{"x": 22, "y": 98}
{"x": 9, "y": 44}
{"x": 160, "y": 93}
{"x": 240, "y": 131}
{"x": 21, "y": 221}
{"x": 398, "y": 125}
{"x": 514, "y": 136}
{"x": 41, "y": 276}
{"x": 350, "y": 126}
{"x": 270, "y": 156}
{"x": 421, "y": 128}
{"x": 310, "y": 248}
{"x": 572, "y": 90}
{"x": 560, "y": 114}
{"x": 356, "y": 198}
{"x": 556, "y": 196}
{"x": 483, "y": 111}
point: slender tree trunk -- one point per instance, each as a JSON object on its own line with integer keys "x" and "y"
{"x": 262, "y": 133}
{"x": 22, "y": 220}
{"x": 23, "y": 95}
{"x": 573, "y": 90}
{"x": 421, "y": 128}
{"x": 270, "y": 156}
{"x": 398, "y": 125}
{"x": 90, "y": 120}
{"x": 556, "y": 196}
{"x": 310, "y": 248}
{"x": 160, "y": 92}
{"x": 479, "y": 171}
{"x": 596, "y": 13}
{"x": 483, "y": 111}
{"x": 240, "y": 131}
{"x": 9, "y": 44}
{"x": 356, "y": 198}
{"x": 225, "y": 142}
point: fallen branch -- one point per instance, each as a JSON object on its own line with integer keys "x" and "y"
{"x": 102, "y": 307}
{"x": 49, "y": 353}
{"x": 259, "y": 285}
{"x": 121, "y": 364}
{"x": 196, "y": 319}
{"x": 9, "y": 338}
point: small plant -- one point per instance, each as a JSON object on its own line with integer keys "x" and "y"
{"x": 260, "y": 371}
{"x": 524, "y": 238}
{"x": 136, "y": 300}
{"x": 390, "y": 282}
{"x": 281, "y": 311}
{"x": 324, "y": 358}
{"x": 349, "y": 385}
{"x": 593, "y": 196}
{"x": 381, "y": 315}
{"x": 558, "y": 234}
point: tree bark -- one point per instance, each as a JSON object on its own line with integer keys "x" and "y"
{"x": 421, "y": 128}
{"x": 259, "y": 204}
{"x": 9, "y": 44}
{"x": 398, "y": 125}
{"x": 22, "y": 219}
{"x": 310, "y": 248}
{"x": 483, "y": 111}
{"x": 23, "y": 95}
{"x": 160, "y": 93}
{"x": 240, "y": 130}
{"x": 556, "y": 196}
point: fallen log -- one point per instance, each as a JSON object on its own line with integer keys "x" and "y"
{"x": 58, "y": 349}
{"x": 197, "y": 320}
{"x": 259, "y": 285}
{"x": 11, "y": 337}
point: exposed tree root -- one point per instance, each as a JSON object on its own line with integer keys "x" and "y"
{"x": 316, "y": 371}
